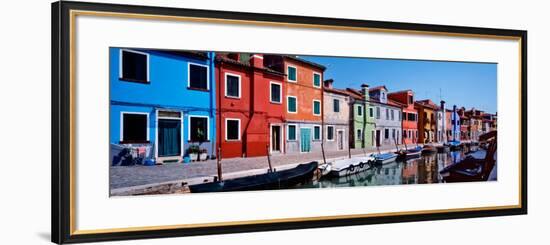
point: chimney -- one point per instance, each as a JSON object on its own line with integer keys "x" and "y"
{"x": 234, "y": 56}
{"x": 442, "y": 103}
{"x": 257, "y": 61}
{"x": 328, "y": 83}
{"x": 365, "y": 90}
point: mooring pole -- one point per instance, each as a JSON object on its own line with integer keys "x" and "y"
{"x": 323, "y": 151}
{"x": 349, "y": 151}
{"x": 269, "y": 158}
{"x": 219, "y": 163}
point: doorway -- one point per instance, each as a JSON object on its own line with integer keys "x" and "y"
{"x": 276, "y": 137}
{"x": 377, "y": 137}
{"x": 340, "y": 136}
{"x": 305, "y": 139}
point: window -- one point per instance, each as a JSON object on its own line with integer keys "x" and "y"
{"x": 371, "y": 112}
{"x": 316, "y": 107}
{"x": 292, "y": 73}
{"x": 377, "y": 112}
{"x": 392, "y": 116}
{"x": 316, "y": 132}
{"x": 386, "y": 133}
{"x": 232, "y": 129}
{"x": 404, "y": 134}
{"x": 275, "y": 92}
{"x": 135, "y": 127}
{"x": 330, "y": 133}
{"x": 393, "y": 133}
{"x": 359, "y": 110}
{"x": 198, "y": 76}
{"x": 232, "y": 85}
{"x": 410, "y": 99}
{"x": 411, "y": 116}
{"x": 410, "y": 133}
{"x": 316, "y": 80}
{"x": 291, "y": 132}
{"x": 134, "y": 66}
{"x": 359, "y": 135}
{"x": 404, "y": 116}
{"x": 387, "y": 114}
{"x": 336, "y": 105}
{"x": 292, "y": 106}
{"x": 198, "y": 128}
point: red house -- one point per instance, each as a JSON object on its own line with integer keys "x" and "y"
{"x": 250, "y": 102}
{"x": 410, "y": 115}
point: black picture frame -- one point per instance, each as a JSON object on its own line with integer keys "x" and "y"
{"x": 61, "y": 116}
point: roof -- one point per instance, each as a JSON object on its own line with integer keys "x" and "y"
{"x": 354, "y": 93}
{"x": 396, "y": 103}
{"x": 220, "y": 58}
{"x": 378, "y": 88}
{"x": 336, "y": 91}
{"x": 296, "y": 58}
{"x": 400, "y": 91}
{"x": 427, "y": 103}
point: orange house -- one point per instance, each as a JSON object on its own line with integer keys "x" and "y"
{"x": 304, "y": 101}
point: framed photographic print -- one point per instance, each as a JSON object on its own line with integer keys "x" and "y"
{"x": 176, "y": 122}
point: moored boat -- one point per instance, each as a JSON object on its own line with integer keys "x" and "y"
{"x": 477, "y": 166}
{"x": 351, "y": 166}
{"x": 442, "y": 148}
{"x": 268, "y": 181}
{"x": 428, "y": 149}
{"x": 383, "y": 158}
{"x": 454, "y": 145}
{"x": 409, "y": 153}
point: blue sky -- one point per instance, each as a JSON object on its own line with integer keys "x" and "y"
{"x": 461, "y": 83}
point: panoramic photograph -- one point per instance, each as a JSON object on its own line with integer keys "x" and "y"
{"x": 185, "y": 122}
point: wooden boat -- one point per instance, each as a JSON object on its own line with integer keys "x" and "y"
{"x": 409, "y": 153}
{"x": 454, "y": 145}
{"x": 476, "y": 166}
{"x": 428, "y": 149}
{"x": 442, "y": 148}
{"x": 384, "y": 157}
{"x": 351, "y": 166}
{"x": 268, "y": 181}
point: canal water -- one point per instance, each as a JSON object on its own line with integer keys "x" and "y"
{"x": 423, "y": 170}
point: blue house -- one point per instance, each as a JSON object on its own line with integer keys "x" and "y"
{"x": 455, "y": 126}
{"x": 162, "y": 99}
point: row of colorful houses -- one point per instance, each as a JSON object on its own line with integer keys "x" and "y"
{"x": 245, "y": 105}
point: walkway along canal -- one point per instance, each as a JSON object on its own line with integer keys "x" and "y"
{"x": 175, "y": 178}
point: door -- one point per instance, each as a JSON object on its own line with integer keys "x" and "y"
{"x": 340, "y": 140}
{"x": 275, "y": 138}
{"x": 169, "y": 135}
{"x": 305, "y": 140}
{"x": 377, "y": 137}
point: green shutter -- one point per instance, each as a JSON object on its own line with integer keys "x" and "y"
{"x": 291, "y": 104}
{"x": 316, "y": 107}
{"x": 291, "y": 132}
{"x": 317, "y": 133}
{"x": 291, "y": 73}
{"x": 316, "y": 80}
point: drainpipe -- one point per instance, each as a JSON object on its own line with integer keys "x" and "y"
{"x": 211, "y": 58}
{"x": 219, "y": 109}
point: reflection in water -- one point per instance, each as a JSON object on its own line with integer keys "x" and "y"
{"x": 423, "y": 170}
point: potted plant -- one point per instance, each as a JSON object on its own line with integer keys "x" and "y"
{"x": 193, "y": 152}
{"x": 203, "y": 154}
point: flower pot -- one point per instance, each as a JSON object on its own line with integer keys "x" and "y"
{"x": 204, "y": 156}
{"x": 193, "y": 156}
